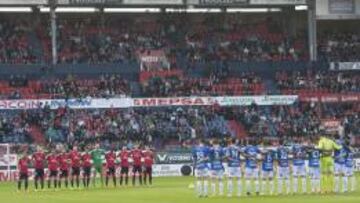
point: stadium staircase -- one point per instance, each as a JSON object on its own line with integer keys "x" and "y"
{"x": 37, "y": 135}
{"x": 237, "y": 129}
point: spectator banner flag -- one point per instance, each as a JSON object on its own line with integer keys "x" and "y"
{"x": 341, "y": 6}
{"x": 23, "y": 2}
{"x": 223, "y": 2}
{"x": 258, "y": 100}
{"x": 153, "y": 60}
{"x": 277, "y": 2}
{"x": 89, "y": 2}
{"x": 330, "y": 125}
{"x": 344, "y": 66}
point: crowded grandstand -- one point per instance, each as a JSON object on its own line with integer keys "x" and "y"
{"x": 179, "y": 76}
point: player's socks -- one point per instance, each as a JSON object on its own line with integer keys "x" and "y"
{"x": 257, "y": 186}
{"x": 213, "y": 188}
{"x": 126, "y": 179}
{"x": 26, "y": 184}
{"x": 77, "y": 182}
{"x": 353, "y": 183}
{"x": 295, "y": 183}
{"x": 230, "y": 187}
{"x": 49, "y": 183}
{"x": 140, "y": 179}
{"x": 221, "y": 187}
{"x": 36, "y": 184}
{"x": 205, "y": 188}
{"x": 199, "y": 188}
{"x": 107, "y": 181}
{"x": 318, "y": 186}
{"x": 239, "y": 186}
{"x": 272, "y": 187}
{"x": 114, "y": 181}
{"x": 303, "y": 185}
{"x": 133, "y": 180}
{"x": 55, "y": 183}
{"x": 287, "y": 184}
{"x": 345, "y": 184}
{"x": 248, "y": 186}
{"x": 42, "y": 183}
{"x": 263, "y": 187}
{"x": 337, "y": 183}
{"x": 19, "y": 184}
{"x": 280, "y": 186}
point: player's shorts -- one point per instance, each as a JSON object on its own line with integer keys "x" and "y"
{"x": 217, "y": 173}
{"x": 23, "y": 176}
{"x": 327, "y": 164}
{"x": 124, "y": 170}
{"x": 314, "y": 172}
{"x": 75, "y": 171}
{"x": 339, "y": 169}
{"x": 234, "y": 172}
{"x": 137, "y": 169}
{"x": 348, "y": 171}
{"x": 98, "y": 168}
{"x": 201, "y": 173}
{"x": 64, "y": 174}
{"x": 39, "y": 173}
{"x": 267, "y": 174}
{"x": 284, "y": 172}
{"x": 299, "y": 170}
{"x": 110, "y": 171}
{"x": 87, "y": 171}
{"x": 251, "y": 172}
{"x": 148, "y": 170}
{"x": 53, "y": 173}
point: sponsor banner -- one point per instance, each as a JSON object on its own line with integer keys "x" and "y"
{"x": 223, "y": 2}
{"x": 330, "y": 98}
{"x": 89, "y": 2}
{"x": 71, "y": 103}
{"x": 174, "y": 101}
{"x": 91, "y": 103}
{"x": 23, "y": 2}
{"x": 277, "y": 2}
{"x": 8, "y": 160}
{"x": 339, "y": 66}
{"x": 258, "y": 100}
{"x": 153, "y": 2}
{"x": 173, "y": 158}
{"x": 341, "y": 6}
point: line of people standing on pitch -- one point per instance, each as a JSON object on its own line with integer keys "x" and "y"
{"x": 72, "y": 166}
{"x": 261, "y": 166}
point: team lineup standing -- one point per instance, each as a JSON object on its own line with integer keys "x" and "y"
{"x": 256, "y": 168}
{"x": 66, "y": 169}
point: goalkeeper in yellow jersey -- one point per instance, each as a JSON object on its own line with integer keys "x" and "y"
{"x": 327, "y": 147}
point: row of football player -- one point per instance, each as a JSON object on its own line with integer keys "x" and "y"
{"x": 208, "y": 161}
{"x": 63, "y": 165}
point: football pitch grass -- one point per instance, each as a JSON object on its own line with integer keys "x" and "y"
{"x": 165, "y": 190}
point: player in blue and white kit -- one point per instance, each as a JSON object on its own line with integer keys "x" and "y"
{"x": 349, "y": 171}
{"x": 200, "y": 157}
{"x": 234, "y": 167}
{"x": 314, "y": 169}
{"x": 216, "y": 157}
{"x": 267, "y": 170}
{"x": 283, "y": 169}
{"x": 339, "y": 159}
{"x": 299, "y": 170}
{"x": 251, "y": 168}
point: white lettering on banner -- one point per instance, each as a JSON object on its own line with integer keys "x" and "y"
{"x": 153, "y": 2}
{"x": 277, "y": 2}
{"x": 345, "y": 66}
{"x": 148, "y": 102}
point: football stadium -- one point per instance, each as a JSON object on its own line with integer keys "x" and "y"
{"x": 172, "y": 101}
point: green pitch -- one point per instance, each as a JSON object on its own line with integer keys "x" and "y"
{"x": 165, "y": 190}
